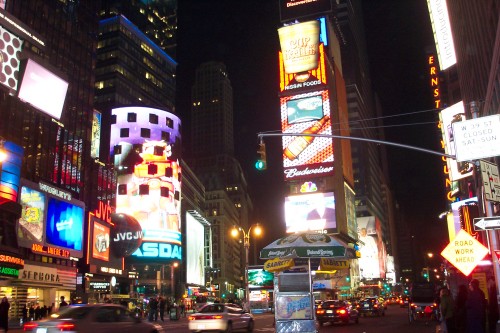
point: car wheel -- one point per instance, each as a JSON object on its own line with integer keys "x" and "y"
{"x": 229, "y": 328}
{"x": 250, "y": 326}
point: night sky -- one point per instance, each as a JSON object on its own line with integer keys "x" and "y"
{"x": 243, "y": 35}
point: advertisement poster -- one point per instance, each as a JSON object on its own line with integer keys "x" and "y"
{"x": 293, "y": 306}
{"x": 33, "y": 212}
{"x": 101, "y": 242}
{"x": 315, "y": 211}
{"x": 64, "y": 224}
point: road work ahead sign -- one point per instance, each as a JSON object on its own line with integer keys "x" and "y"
{"x": 464, "y": 252}
{"x": 477, "y": 138}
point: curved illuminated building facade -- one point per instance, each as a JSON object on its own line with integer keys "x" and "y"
{"x": 145, "y": 144}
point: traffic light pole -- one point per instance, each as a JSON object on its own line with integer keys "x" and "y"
{"x": 262, "y": 135}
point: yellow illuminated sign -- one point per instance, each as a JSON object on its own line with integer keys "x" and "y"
{"x": 328, "y": 264}
{"x": 277, "y": 264}
{"x": 464, "y": 252}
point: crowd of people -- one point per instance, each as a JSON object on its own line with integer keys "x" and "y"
{"x": 470, "y": 311}
{"x": 158, "y": 306}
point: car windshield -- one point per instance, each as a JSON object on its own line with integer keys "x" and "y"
{"x": 78, "y": 312}
{"x": 211, "y": 308}
{"x": 327, "y": 304}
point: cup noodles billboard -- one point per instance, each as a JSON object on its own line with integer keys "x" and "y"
{"x": 299, "y": 44}
{"x": 10, "y": 50}
{"x": 450, "y": 115}
{"x": 314, "y": 211}
{"x": 144, "y": 143}
{"x": 312, "y": 79}
{"x": 306, "y": 156}
{"x": 43, "y": 89}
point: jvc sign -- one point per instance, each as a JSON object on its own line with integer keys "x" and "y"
{"x": 477, "y": 138}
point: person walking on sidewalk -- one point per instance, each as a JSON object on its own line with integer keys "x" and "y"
{"x": 161, "y": 306}
{"x": 4, "y": 314}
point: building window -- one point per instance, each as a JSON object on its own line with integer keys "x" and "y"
{"x": 132, "y": 117}
{"x": 145, "y": 133}
{"x": 169, "y": 122}
{"x": 113, "y": 119}
{"x": 165, "y": 136}
{"x": 124, "y": 132}
{"x": 153, "y": 118}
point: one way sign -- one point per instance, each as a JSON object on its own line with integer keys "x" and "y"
{"x": 487, "y": 223}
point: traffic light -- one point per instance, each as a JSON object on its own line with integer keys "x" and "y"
{"x": 261, "y": 163}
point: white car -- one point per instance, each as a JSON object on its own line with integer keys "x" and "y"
{"x": 221, "y": 317}
{"x": 95, "y": 318}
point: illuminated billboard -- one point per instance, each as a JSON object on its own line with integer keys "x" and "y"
{"x": 293, "y": 9}
{"x": 313, "y": 78}
{"x": 144, "y": 143}
{"x": 43, "y": 89}
{"x": 448, "y": 116}
{"x": 95, "y": 140}
{"x": 10, "y": 172}
{"x": 443, "y": 37}
{"x": 306, "y": 156}
{"x": 10, "y": 50}
{"x": 260, "y": 279}
{"x": 195, "y": 251}
{"x": 369, "y": 262}
{"x": 315, "y": 211}
{"x": 299, "y": 45}
{"x": 99, "y": 248}
{"x": 51, "y": 221}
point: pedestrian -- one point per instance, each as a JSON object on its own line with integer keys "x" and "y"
{"x": 153, "y": 309}
{"x": 63, "y": 303}
{"x": 476, "y": 308}
{"x": 446, "y": 307}
{"x": 25, "y": 314}
{"x": 161, "y": 306}
{"x": 492, "y": 306}
{"x": 460, "y": 310}
{"x": 4, "y": 314}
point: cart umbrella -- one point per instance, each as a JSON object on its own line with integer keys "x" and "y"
{"x": 307, "y": 245}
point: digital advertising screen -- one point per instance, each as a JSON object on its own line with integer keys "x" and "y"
{"x": 299, "y": 45}
{"x": 293, "y": 9}
{"x": 369, "y": 262}
{"x": 450, "y": 115}
{"x": 10, "y": 50}
{"x": 43, "y": 89}
{"x": 195, "y": 251}
{"x": 10, "y": 172}
{"x": 99, "y": 252}
{"x": 51, "y": 221}
{"x": 258, "y": 278}
{"x": 144, "y": 143}
{"x": 315, "y": 211}
{"x": 95, "y": 140}
{"x": 293, "y": 83}
{"x": 307, "y": 156}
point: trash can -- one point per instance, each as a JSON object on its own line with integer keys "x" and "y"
{"x": 174, "y": 313}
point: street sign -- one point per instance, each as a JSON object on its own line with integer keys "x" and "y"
{"x": 464, "y": 252}
{"x": 491, "y": 180}
{"x": 486, "y": 223}
{"x": 477, "y": 138}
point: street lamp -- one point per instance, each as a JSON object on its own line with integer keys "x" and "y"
{"x": 172, "y": 285}
{"x": 257, "y": 230}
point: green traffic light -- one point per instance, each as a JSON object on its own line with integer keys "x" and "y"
{"x": 260, "y": 165}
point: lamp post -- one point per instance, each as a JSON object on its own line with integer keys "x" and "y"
{"x": 172, "y": 284}
{"x": 257, "y": 230}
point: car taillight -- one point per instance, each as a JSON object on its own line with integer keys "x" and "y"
{"x": 205, "y": 317}
{"x": 62, "y": 327}
{"x": 412, "y": 305}
{"x": 341, "y": 311}
{"x": 375, "y": 305}
{"x": 29, "y": 326}
{"x": 319, "y": 311}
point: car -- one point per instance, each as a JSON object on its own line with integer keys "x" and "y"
{"x": 336, "y": 311}
{"x": 371, "y": 306}
{"x": 404, "y": 301}
{"x": 92, "y": 318}
{"x": 220, "y": 317}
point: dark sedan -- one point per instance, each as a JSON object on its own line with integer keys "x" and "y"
{"x": 336, "y": 312}
{"x": 371, "y": 306}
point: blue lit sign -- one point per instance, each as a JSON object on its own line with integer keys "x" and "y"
{"x": 159, "y": 250}
{"x": 64, "y": 224}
